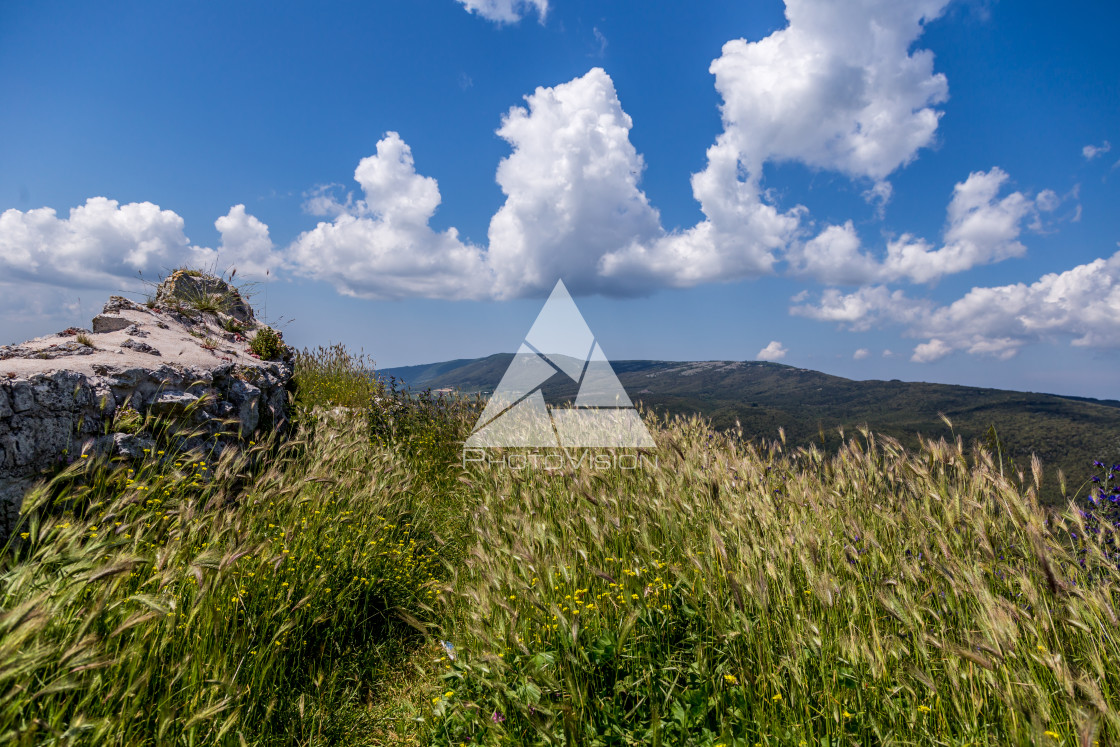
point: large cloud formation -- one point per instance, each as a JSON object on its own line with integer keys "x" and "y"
{"x": 104, "y": 244}
{"x": 571, "y": 186}
{"x": 382, "y": 247}
{"x": 97, "y": 245}
{"x": 47, "y": 260}
{"x": 981, "y": 228}
{"x": 837, "y": 88}
{"x": 1081, "y": 305}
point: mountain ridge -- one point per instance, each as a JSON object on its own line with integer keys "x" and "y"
{"x": 1066, "y": 432}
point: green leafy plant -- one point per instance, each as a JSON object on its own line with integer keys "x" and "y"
{"x": 267, "y": 343}
{"x": 127, "y": 420}
{"x": 229, "y": 324}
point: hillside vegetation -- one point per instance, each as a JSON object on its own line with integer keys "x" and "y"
{"x": 351, "y": 584}
{"x": 1066, "y": 433}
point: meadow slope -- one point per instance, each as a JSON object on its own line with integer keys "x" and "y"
{"x": 353, "y": 584}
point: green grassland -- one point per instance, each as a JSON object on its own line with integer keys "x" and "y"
{"x": 350, "y": 583}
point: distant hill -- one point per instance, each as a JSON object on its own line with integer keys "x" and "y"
{"x": 1065, "y": 432}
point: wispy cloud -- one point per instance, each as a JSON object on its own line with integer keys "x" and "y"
{"x": 506, "y": 11}
{"x": 1092, "y": 151}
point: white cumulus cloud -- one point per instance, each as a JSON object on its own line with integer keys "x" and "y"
{"x": 574, "y": 209}
{"x": 49, "y": 262}
{"x": 104, "y": 244}
{"x": 1081, "y": 305}
{"x": 861, "y": 354}
{"x": 739, "y": 237}
{"x": 571, "y": 186}
{"x": 382, "y": 246}
{"x": 841, "y": 88}
{"x": 982, "y": 227}
{"x": 572, "y": 197}
{"x": 246, "y": 247}
{"x": 861, "y": 310}
{"x": 927, "y": 352}
{"x": 835, "y": 256}
{"x": 775, "y": 351}
{"x": 506, "y": 11}
{"x": 838, "y": 88}
{"x": 97, "y": 245}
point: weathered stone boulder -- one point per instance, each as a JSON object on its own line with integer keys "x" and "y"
{"x": 193, "y": 291}
{"x": 56, "y": 405}
{"x": 103, "y": 323}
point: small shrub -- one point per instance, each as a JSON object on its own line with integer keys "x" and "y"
{"x": 127, "y": 420}
{"x": 229, "y": 324}
{"x": 267, "y": 343}
{"x": 1099, "y": 511}
{"x": 83, "y": 339}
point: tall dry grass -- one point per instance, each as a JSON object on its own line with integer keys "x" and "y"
{"x": 740, "y": 594}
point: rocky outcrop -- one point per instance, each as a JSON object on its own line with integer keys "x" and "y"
{"x": 186, "y": 358}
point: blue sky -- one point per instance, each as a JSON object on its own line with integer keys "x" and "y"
{"x": 924, "y": 190}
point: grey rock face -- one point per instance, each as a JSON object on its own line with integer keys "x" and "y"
{"x": 58, "y": 350}
{"x": 48, "y": 419}
{"x": 51, "y": 414}
{"x": 135, "y": 331}
{"x": 140, "y": 347}
{"x": 204, "y": 291}
{"x": 105, "y": 323}
{"x": 128, "y": 445}
{"x": 22, "y": 398}
{"x": 173, "y": 403}
{"x": 120, "y": 303}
